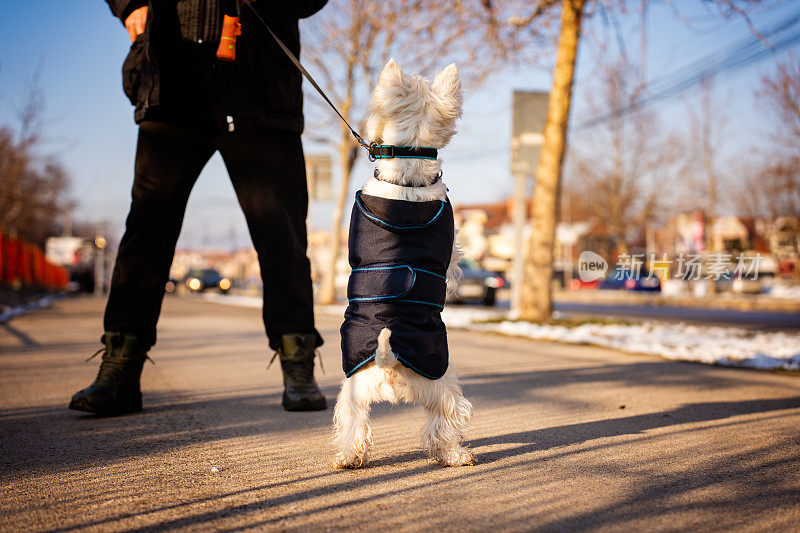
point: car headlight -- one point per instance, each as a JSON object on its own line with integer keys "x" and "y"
{"x": 194, "y": 284}
{"x": 224, "y": 284}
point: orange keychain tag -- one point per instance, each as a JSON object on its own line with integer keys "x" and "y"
{"x": 231, "y": 29}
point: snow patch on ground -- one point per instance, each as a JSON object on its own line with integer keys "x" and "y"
{"x": 712, "y": 345}
{"x": 785, "y": 292}
{"x": 7, "y": 313}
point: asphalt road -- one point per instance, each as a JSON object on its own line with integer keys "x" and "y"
{"x": 770, "y": 320}
{"x": 695, "y": 315}
{"x": 567, "y": 438}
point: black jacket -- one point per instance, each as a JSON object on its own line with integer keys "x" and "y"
{"x": 262, "y": 84}
{"x": 399, "y": 254}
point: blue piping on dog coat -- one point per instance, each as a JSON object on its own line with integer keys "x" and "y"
{"x": 399, "y": 252}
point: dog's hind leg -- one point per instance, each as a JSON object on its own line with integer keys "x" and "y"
{"x": 448, "y": 417}
{"x": 352, "y": 435}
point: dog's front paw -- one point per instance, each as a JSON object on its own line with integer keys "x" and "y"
{"x": 349, "y": 460}
{"x": 456, "y": 457}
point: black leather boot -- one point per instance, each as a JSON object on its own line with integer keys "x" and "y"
{"x": 301, "y": 392}
{"x": 116, "y": 390}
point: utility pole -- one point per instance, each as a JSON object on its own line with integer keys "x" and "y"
{"x": 66, "y": 229}
{"x": 100, "y": 244}
{"x": 529, "y": 111}
{"x": 567, "y": 252}
{"x": 232, "y": 237}
{"x": 519, "y": 219}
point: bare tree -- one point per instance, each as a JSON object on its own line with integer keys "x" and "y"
{"x": 349, "y": 42}
{"x": 536, "y": 297}
{"x": 622, "y": 167}
{"x": 780, "y": 94}
{"x": 32, "y": 188}
{"x": 771, "y": 188}
{"x": 31, "y": 193}
{"x": 356, "y": 35}
{"x": 703, "y": 149}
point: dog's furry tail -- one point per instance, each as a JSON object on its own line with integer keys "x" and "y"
{"x": 384, "y": 357}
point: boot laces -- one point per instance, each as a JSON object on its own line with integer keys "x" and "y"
{"x": 146, "y": 356}
{"x": 112, "y": 369}
{"x": 95, "y": 354}
{"x": 317, "y": 355}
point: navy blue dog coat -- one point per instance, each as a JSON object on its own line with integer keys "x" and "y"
{"x": 399, "y": 254}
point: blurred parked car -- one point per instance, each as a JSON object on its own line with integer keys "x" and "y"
{"x": 476, "y": 284}
{"x": 751, "y": 282}
{"x": 577, "y": 283}
{"x": 573, "y": 281}
{"x": 624, "y": 279}
{"x": 205, "y": 279}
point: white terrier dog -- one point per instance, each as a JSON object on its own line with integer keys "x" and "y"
{"x": 394, "y": 343}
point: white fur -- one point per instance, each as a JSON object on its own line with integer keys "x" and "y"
{"x": 384, "y": 357}
{"x": 447, "y": 409}
{"x": 408, "y": 111}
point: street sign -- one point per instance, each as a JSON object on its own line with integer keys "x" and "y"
{"x": 529, "y": 114}
{"x": 318, "y": 172}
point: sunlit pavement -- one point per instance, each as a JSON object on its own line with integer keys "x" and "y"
{"x": 566, "y": 437}
{"x": 750, "y": 319}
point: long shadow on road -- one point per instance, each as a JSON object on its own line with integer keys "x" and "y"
{"x": 542, "y": 439}
{"x": 646, "y": 501}
{"x": 29, "y": 437}
{"x": 173, "y": 421}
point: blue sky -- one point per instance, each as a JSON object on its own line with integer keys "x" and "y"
{"x": 89, "y": 125}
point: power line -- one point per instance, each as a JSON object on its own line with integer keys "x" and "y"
{"x": 735, "y": 57}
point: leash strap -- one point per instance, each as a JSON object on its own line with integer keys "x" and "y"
{"x": 389, "y": 151}
{"x": 305, "y": 73}
{"x": 376, "y": 151}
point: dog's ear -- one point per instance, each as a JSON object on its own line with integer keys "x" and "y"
{"x": 373, "y": 127}
{"x": 389, "y": 81}
{"x": 390, "y": 75}
{"x": 447, "y": 86}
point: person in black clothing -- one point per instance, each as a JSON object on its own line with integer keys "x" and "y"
{"x": 189, "y": 105}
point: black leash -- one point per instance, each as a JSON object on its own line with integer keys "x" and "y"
{"x": 302, "y": 69}
{"x": 376, "y": 151}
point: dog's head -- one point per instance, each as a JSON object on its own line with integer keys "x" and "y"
{"x": 411, "y": 111}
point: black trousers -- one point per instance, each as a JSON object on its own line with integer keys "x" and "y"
{"x": 267, "y": 170}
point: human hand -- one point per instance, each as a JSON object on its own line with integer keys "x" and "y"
{"x": 135, "y": 22}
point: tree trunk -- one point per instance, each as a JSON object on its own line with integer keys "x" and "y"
{"x": 536, "y": 297}
{"x": 347, "y": 156}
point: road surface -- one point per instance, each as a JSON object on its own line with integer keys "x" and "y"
{"x": 566, "y": 437}
{"x": 694, "y": 315}
{"x": 766, "y": 320}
